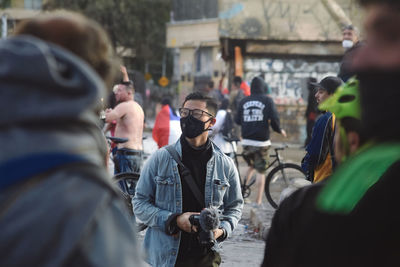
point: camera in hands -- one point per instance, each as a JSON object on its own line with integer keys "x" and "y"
{"x": 206, "y": 222}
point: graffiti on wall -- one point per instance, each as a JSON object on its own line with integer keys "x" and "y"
{"x": 287, "y": 78}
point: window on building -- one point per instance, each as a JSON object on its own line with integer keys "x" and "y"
{"x": 33, "y": 4}
{"x": 5, "y": 3}
{"x": 194, "y": 9}
{"x": 204, "y": 62}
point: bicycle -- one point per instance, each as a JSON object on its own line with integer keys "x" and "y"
{"x": 281, "y": 176}
{"x": 127, "y": 185}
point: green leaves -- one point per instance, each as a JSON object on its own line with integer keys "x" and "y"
{"x": 134, "y": 24}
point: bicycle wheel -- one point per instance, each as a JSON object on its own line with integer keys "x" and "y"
{"x": 280, "y": 178}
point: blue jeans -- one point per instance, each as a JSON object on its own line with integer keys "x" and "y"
{"x": 127, "y": 160}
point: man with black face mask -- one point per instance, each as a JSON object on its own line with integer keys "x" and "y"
{"x": 165, "y": 200}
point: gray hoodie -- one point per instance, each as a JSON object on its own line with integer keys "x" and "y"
{"x": 69, "y": 215}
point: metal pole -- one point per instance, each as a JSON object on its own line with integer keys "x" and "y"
{"x": 164, "y": 64}
{"x": 4, "y": 26}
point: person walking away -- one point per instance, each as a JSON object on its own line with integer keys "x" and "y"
{"x": 58, "y": 207}
{"x": 167, "y": 129}
{"x": 256, "y": 112}
{"x": 235, "y": 96}
{"x": 165, "y": 195}
{"x": 129, "y": 117}
{"x": 319, "y": 161}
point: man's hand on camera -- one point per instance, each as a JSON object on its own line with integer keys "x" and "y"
{"x": 182, "y": 221}
{"x": 218, "y": 232}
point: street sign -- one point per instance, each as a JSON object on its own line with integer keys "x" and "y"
{"x": 147, "y": 76}
{"x": 163, "y": 81}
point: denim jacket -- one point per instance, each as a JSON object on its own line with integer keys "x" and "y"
{"x": 159, "y": 194}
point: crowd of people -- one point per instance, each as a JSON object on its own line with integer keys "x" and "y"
{"x": 60, "y": 208}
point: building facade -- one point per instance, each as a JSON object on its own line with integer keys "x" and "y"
{"x": 15, "y": 10}
{"x": 285, "y": 42}
{"x": 193, "y": 37}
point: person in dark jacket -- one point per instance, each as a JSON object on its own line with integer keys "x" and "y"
{"x": 351, "y": 44}
{"x": 58, "y": 206}
{"x": 319, "y": 160}
{"x": 351, "y": 219}
{"x": 254, "y": 114}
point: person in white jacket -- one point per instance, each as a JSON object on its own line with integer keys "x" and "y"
{"x": 216, "y": 134}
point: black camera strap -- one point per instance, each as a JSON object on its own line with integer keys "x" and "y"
{"x": 187, "y": 175}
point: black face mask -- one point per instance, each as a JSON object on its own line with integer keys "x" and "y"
{"x": 192, "y": 127}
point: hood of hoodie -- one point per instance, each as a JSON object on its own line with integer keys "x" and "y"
{"x": 50, "y": 101}
{"x": 258, "y": 86}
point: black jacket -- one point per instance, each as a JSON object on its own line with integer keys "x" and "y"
{"x": 255, "y": 112}
{"x": 301, "y": 235}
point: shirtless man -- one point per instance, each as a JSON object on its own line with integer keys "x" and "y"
{"x": 129, "y": 119}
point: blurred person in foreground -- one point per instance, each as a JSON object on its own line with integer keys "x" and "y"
{"x": 305, "y": 206}
{"x": 319, "y": 161}
{"x": 352, "y": 219}
{"x": 167, "y": 129}
{"x": 165, "y": 198}
{"x": 58, "y": 207}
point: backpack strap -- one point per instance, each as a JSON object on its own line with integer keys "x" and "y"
{"x": 186, "y": 175}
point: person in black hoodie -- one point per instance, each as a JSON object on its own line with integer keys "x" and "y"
{"x": 255, "y": 112}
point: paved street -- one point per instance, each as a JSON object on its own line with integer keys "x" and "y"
{"x": 244, "y": 248}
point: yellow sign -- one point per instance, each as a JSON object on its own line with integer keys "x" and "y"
{"x": 147, "y": 76}
{"x": 163, "y": 81}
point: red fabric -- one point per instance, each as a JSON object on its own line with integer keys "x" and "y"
{"x": 161, "y": 127}
{"x": 245, "y": 88}
{"x": 312, "y": 116}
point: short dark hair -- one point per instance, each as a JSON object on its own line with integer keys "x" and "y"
{"x": 348, "y": 27}
{"x": 211, "y": 104}
{"x": 210, "y": 84}
{"x": 237, "y": 80}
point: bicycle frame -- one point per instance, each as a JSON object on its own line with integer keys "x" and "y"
{"x": 246, "y": 187}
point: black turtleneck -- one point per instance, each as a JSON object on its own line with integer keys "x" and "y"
{"x": 195, "y": 159}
